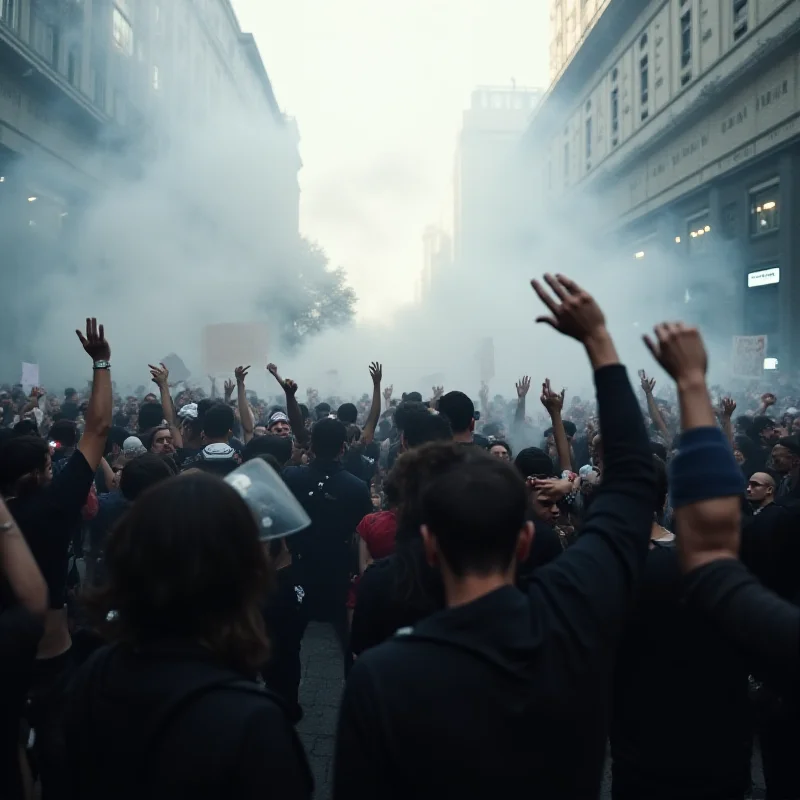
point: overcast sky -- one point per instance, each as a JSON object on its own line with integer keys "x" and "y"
{"x": 378, "y": 89}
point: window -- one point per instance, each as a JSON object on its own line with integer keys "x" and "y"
{"x": 8, "y": 13}
{"x": 739, "y": 19}
{"x": 74, "y": 57}
{"x": 686, "y": 38}
{"x": 765, "y": 209}
{"x": 121, "y": 32}
{"x": 156, "y": 79}
{"x": 644, "y": 80}
{"x": 643, "y": 41}
{"x": 588, "y": 142}
{"x": 99, "y": 83}
{"x": 44, "y": 38}
{"x": 698, "y": 230}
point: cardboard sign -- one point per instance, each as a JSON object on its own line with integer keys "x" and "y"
{"x": 228, "y": 346}
{"x": 748, "y": 356}
{"x": 30, "y": 376}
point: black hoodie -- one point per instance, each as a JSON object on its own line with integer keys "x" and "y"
{"x": 508, "y": 695}
{"x": 170, "y": 722}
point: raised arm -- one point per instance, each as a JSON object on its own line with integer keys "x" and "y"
{"x": 376, "y": 373}
{"x": 590, "y": 586}
{"x": 706, "y": 487}
{"x": 160, "y": 377}
{"x": 554, "y": 403}
{"x": 292, "y": 406}
{"x": 648, "y": 384}
{"x": 101, "y": 404}
{"x": 245, "y": 412}
{"x": 523, "y": 385}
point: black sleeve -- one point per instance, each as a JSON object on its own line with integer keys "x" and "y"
{"x": 371, "y": 617}
{"x": 758, "y": 621}
{"x": 358, "y": 770}
{"x": 271, "y": 760}
{"x": 588, "y": 589}
{"x": 68, "y": 492}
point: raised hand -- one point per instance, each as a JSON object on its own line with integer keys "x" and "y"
{"x": 576, "y": 315}
{"x": 387, "y": 393}
{"x": 679, "y": 349}
{"x": 240, "y": 373}
{"x": 229, "y": 387}
{"x": 552, "y": 401}
{"x": 289, "y": 386}
{"x": 376, "y": 372}
{"x": 438, "y": 391}
{"x": 94, "y": 342}
{"x": 160, "y": 375}
{"x": 648, "y": 384}
{"x": 523, "y": 385}
{"x": 727, "y": 406}
{"x": 768, "y": 399}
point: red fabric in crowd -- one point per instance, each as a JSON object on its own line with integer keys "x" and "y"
{"x": 378, "y": 531}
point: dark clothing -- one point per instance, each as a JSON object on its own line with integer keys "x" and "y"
{"x": 535, "y": 668}
{"x": 170, "y": 722}
{"x": 285, "y": 619}
{"x": 324, "y": 554}
{"x": 48, "y": 517}
{"x": 20, "y": 633}
{"x": 383, "y": 606}
{"x": 680, "y": 723}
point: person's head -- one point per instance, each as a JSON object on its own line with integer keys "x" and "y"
{"x": 328, "y": 438}
{"x": 159, "y": 440}
{"x": 217, "y": 458}
{"x": 413, "y": 397}
{"x": 151, "y": 415}
{"x": 70, "y": 395}
{"x": 786, "y": 455}
{"x": 25, "y": 465}
{"x": 570, "y": 428}
{"x": 260, "y": 430}
{"x": 347, "y": 413}
{"x": 423, "y": 426}
{"x": 404, "y": 409}
{"x": 762, "y": 430}
{"x": 141, "y": 473}
{"x": 501, "y": 450}
{"x": 760, "y": 489}
{"x": 185, "y": 563}
{"x": 532, "y": 463}
{"x": 279, "y": 447}
{"x": 460, "y": 410}
{"x": 474, "y": 518}
{"x": 744, "y": 449}
{"x": 218, "y": 424}
{"x": 150, "y": 397}
{"x": 278, "y": 424}
{"x": 322, "y": 410}
{"x": 26, "y": 427}
{"x": 191, "y": 431}
{"x": 64, "y": 433}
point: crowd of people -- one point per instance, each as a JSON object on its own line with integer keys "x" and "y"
{"x": 517, "y": 592}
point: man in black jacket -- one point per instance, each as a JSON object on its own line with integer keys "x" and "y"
{"x": 336, "y": 501}
{"x": 504, "y": 692}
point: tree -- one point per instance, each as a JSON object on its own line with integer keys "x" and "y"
{"x": 311, "y": 296}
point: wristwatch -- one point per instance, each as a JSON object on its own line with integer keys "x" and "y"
{"x": 101, "y": 365}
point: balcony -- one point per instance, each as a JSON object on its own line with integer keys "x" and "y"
{"x": 40, "y": 77}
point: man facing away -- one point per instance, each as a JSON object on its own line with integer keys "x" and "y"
{"x": 505, "y": 693}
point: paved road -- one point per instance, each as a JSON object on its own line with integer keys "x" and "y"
{"x": 319, "y": 695}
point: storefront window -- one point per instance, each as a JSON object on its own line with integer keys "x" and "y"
{"x": 765, "y": 209}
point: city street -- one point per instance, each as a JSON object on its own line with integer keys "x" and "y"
{"x": 319, "y": 695}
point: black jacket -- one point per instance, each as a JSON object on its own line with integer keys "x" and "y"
{"x": 170, "y": 722}
{"x": 508, "y": 695}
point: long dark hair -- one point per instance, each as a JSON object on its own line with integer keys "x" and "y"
{"x": 185, "y": 563}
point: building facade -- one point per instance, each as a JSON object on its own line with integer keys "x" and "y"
{"x": 570, "y": 21}
{"x": 492, "y": 128}
{"x": 683, "y": 117}
{"x": 437, "y": 259}
{"x": 84, "y": 82}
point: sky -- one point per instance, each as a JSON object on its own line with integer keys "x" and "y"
{"x": 378, "y": 90}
